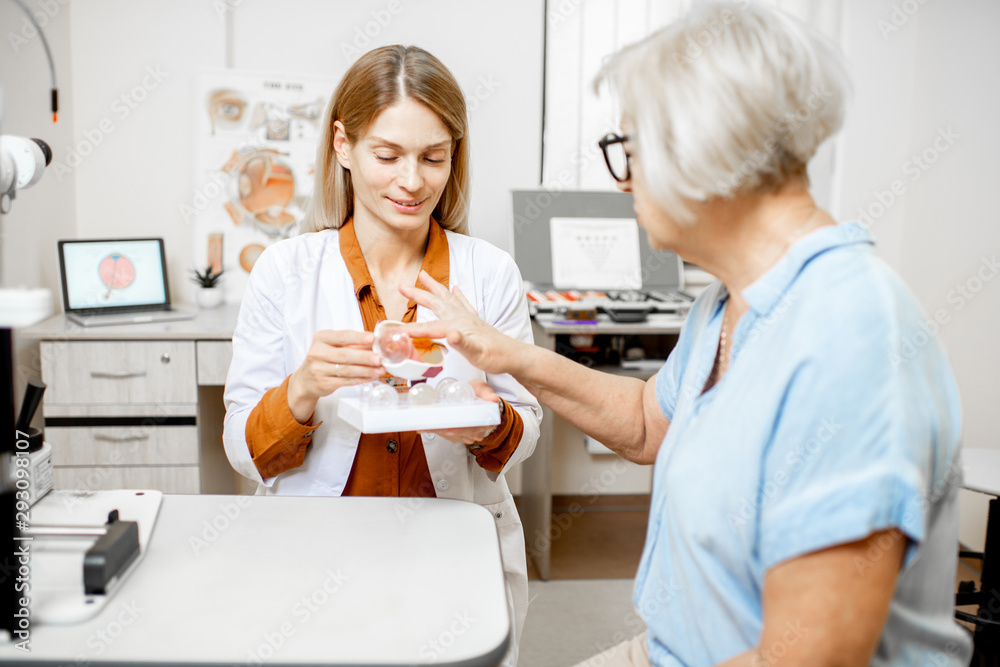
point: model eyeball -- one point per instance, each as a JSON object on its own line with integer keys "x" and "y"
{"x": 422, "y": 394}
{"x": 460, "y": 392}
{"x": 383, "y": 396}
{"x": 366, "y": 392}
{"x": 394, "y": 344}
{"x": 442, "y": 387}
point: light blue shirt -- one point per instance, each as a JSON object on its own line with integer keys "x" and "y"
{"x": 838, "y": 417}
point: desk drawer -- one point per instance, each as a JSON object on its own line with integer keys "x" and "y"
{"x": 134, "y": 372}
{"x": 122, "y": 445}
{"x": 168, "y": 479}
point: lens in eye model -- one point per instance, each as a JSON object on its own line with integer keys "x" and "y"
{"x": 393, "y": 345}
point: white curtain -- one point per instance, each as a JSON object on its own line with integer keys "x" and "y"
{"x": 580, "y": 34}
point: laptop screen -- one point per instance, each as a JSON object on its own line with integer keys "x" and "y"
{"x": 113, "y": 275}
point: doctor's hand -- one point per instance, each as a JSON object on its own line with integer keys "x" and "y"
{"x": 471, "y": 435}
{"x": 335, "y": 359}
{"x": 459, "y": 323}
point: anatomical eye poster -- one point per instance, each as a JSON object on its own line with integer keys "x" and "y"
{"x": 256, "y": 139}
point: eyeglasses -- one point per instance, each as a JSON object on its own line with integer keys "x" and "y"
{"x": 618, "y": 160}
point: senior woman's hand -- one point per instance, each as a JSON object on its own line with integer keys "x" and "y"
{"x": 463, "y": 328}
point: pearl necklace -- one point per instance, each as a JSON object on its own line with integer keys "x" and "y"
{"x": 722, "y": 342}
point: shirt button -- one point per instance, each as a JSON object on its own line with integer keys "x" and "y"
{"x": 498, "y": 515}
{"x": 442, "y": 485}
{"x": 392, "y": 446}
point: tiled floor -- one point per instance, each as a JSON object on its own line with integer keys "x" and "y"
{"x": 586, "y": 606}
{"x": 603, "y": 541}
{"x": 572, "y": 620}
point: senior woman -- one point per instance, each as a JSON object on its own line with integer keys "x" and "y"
{"x": 804, "y": 507}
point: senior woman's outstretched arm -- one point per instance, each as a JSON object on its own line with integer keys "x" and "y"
{"x": 621, "y": 412}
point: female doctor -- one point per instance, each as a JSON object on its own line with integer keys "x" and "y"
{"x": 391, "y": 199}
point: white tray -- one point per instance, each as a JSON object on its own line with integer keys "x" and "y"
{"x": 405, "y": 417}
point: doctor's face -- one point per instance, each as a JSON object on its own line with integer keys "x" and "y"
{"x": 400, "y": 167}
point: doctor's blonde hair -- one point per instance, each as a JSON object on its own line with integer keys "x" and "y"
{"x": 377, "y": 80}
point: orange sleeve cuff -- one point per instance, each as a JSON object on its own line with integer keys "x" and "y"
{"x": 277, "y": 442}
{"x": 497, "y": 448}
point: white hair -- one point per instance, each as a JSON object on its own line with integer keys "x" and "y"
{"x": 730, "y": 99}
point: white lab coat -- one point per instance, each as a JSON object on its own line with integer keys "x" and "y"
{"x": 300, "y": 286}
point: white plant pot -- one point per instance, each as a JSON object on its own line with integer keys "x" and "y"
{"x": 209, "y": 297}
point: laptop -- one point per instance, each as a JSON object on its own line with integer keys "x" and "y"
{"x": 116, "y": 281}
{"x": 636, "y": 279}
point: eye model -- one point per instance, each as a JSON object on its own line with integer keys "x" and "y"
{"x": 394, "y": 345}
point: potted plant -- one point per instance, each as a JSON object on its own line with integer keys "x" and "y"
{"x": 208, "y": 295}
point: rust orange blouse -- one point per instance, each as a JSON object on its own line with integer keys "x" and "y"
{"x": 386, "y": 464}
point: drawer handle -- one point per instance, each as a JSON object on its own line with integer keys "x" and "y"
{"x": 117, "y": 375}
{"x": 121, "y": 438}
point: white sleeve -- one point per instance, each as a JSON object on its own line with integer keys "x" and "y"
{"x": 258, "y": 361}
{"x": 507, "y": 310}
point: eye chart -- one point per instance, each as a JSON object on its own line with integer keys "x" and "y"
{"x": 595, "y": 253}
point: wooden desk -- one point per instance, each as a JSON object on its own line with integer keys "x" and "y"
{"x": 138, "y": 405}
{"x": 280, "y": 580}
{"x": 536, "y": 476}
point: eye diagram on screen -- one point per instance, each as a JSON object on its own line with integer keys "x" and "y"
{"x": 117, "y": 272}
{"x": 113, "y": 272}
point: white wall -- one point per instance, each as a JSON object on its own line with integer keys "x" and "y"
{"x": 125, "y": 163}
{"x": 493, "y": 49}
{"x": 919, "y": 70}
{"x": 137, "y": 179}
{"x": 133, "y": 68}
{"x": 581, "y": 35}
{"x": 952, "y": 219}
{"x": 951, "y": 216}
{"x": 46, "y": 212}
{"x": 876, "y": 138}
